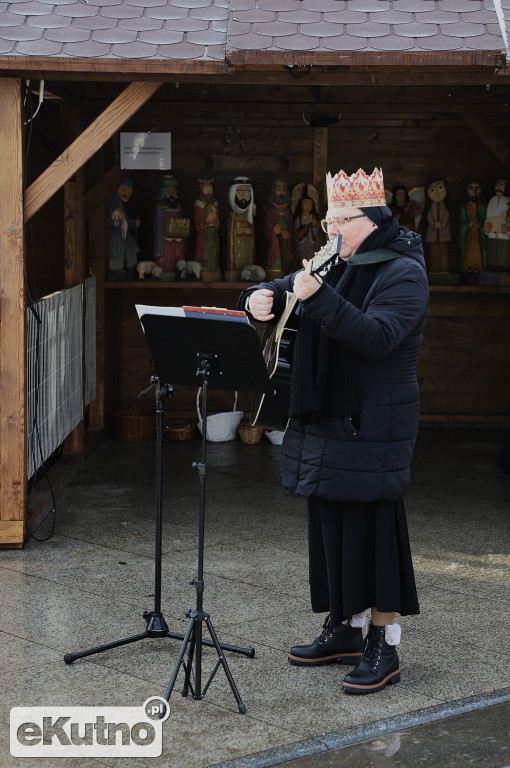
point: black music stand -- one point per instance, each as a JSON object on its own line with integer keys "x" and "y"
{"x": 156, "y": 624}
{"x": 222, "y": 353}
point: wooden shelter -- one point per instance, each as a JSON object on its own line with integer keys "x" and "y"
{"x": 299, "y": 87}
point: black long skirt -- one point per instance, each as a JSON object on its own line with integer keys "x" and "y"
{"x": 360, "y": 557}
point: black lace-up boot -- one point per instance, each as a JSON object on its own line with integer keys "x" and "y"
{"x": 378, "y": 667}
{"x": 343, "y": 644}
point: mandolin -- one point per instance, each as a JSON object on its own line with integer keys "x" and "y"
{"x": 272, "y": 411}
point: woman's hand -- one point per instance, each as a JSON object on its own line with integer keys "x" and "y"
{"x": 305, "y": 284}
{"x": 260, "y": 304}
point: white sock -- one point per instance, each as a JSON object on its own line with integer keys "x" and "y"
{"x": 392, "y": 633}
{"x": 357, "y": 620}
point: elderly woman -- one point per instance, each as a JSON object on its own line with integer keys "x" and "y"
{"x": 354, "y": 412}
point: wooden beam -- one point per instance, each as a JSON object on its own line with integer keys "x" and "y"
{"x": 320, "y": 161}
{"x": 97, "y": 224}
{"x": 489, "y": 136}
{"x": 351, "y": 74}
{"x": 74, "y": 251}
{"x": 86, "y": 145}
{"x": 13, "y": 438}
{"x": 11, "y": 534}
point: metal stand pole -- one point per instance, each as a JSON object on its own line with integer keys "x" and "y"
{"x": 156, "y": 624}
{"x": 193, "y": 639}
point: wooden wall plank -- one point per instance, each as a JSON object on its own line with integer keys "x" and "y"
{"x": 82, "y": 148}
{"x": 491, "y": 138}
{"x": 13, "y": 441}
{"x": 462, "y": 368}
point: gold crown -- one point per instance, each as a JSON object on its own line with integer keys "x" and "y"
{"x": 356, "y": 191}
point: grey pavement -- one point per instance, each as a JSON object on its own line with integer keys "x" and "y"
{"x": 91, "y": 581}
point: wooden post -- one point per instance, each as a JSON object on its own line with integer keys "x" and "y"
{"x": 74, "y": 252}
{"x": 74, "y": 260}
{"x": 13, "y": 397}
{"x": 98, "y": 251}
{"x": 320, "y": 162}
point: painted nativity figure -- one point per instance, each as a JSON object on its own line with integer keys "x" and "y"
{"x": 471, "y": 236}
{"x": 279, "y": 229}
{"x": 438, "y": 234}
{"x": 240, "y": 228}
{"x": 305, "y": 204}
{"x": 171, "y": 227}
{"x": 404, "y": 209}
{"x": 207, "y": 222}
{"x": 496, "y": 226}
{"x": 123, "y": 246}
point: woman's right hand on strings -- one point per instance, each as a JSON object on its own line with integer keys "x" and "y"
{"x": 260, "y": 304}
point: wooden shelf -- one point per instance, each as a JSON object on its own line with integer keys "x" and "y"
{"x": 469, "y": 288}
{"x": 181, "y": 285}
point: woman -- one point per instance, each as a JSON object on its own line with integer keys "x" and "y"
{"x": 354, "y": 415}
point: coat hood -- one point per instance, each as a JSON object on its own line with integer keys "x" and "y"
{"x": 409, "y": 244}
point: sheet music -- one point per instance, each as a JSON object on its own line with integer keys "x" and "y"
{"x": 145, "y": 309}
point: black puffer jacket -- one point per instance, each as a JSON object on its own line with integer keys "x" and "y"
{"x": 330, "y": 457}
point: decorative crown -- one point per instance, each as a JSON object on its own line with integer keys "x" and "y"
{"x": 356, "y": 191}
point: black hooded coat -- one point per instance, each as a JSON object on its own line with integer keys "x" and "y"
{"x": 366, "y": 458}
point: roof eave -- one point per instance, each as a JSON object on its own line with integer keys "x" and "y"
{"x": 273, "y": 59}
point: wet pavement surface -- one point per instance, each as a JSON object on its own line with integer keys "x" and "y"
{"x": 91, "y": 581}
{"x": 478, "y": 738}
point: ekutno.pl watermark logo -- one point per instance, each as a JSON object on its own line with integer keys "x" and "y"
{"x": 89, "y": 731}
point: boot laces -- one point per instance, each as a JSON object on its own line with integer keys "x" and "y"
{"x": 373, "y": 649}
{"x": 327, "y": 632}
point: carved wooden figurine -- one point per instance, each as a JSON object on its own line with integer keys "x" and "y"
{"x": 471, "y": 236}
{"x": 279, "y": 229}
{"x": 207, "y": 222}
{"x": 171, "y": 227}
{"x": 305, "y": 204}
{"x": 123, "y": 245}
{"x": 438, "y": 225}
{"x": 404, "y": 209}
{"x": 240, "y": 228}
{"x": 496, "y": 226}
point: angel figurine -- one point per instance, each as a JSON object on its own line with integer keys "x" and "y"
{"x": 404, "y": 209}
{"x": 305, "y": 204}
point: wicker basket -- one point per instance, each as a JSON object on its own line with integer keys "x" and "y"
{"x": 133, "y": 426}
{"x": 176, "y": 429}
{"x": 250, "y": 434}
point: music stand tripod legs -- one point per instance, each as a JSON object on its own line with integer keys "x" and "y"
{"x": 193, "y": 639}
{"x": 156, "y": 624}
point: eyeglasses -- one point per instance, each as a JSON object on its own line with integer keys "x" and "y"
{"x": 338, "y": 221}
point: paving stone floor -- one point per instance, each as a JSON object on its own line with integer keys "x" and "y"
{"x": 91, "y": 581}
